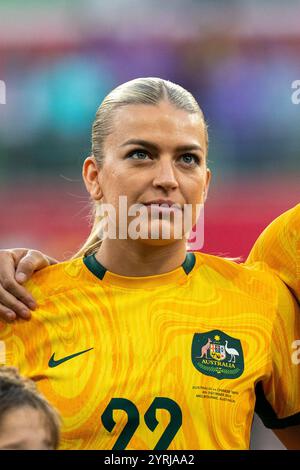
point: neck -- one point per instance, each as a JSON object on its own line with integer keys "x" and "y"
{"x": 134, "y": 258}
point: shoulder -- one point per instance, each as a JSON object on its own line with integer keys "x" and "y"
{"x": 45, "y": 285}
{"x": 254, "y": 279}
{"x": 291, "y": 218}
{"x": 56, "y": 279}
{"x": 233, "y": 269}
{"x": 292, "y": 215}
{"x": 282, "y": 229}
{"x": 279, "y": 247}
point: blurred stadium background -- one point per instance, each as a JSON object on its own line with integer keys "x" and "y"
{"x": 59, "y": 59}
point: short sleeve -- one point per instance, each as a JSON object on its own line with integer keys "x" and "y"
{"x": 279, "y": 247}
{"x": 278, "y": 394}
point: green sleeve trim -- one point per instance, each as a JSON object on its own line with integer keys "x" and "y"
{"x": 268, "y": 415}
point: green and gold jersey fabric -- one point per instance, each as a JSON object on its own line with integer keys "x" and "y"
{"x": 171, "y": 361}
{"x": 279, "y": 247}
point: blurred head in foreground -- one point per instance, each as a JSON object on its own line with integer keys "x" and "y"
{"x": 27, "y": 421}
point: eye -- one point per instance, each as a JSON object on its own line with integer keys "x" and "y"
{"x": 189, "y": 159}
{"x": 141, "y": 154}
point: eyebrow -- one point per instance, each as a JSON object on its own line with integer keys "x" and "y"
{"x": 153, "y": 146}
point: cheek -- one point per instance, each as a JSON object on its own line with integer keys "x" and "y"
{"x": 193, "y": 193}
{"x": 113, "y": 185}
{"x": 194, "y": 197}
{"x": 122, "y": 183}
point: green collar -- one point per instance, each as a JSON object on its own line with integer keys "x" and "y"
{"x": 98, "y": 270}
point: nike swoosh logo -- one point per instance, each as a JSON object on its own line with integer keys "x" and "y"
{"x": 53, "y": 363}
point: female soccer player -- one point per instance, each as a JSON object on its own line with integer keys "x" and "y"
{"x": 139, "y": 344}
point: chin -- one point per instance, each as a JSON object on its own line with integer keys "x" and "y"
{"x": 159, "y": 242}
{"x": 162, "y": 238}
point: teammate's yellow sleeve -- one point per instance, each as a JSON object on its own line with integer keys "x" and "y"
{"x": 278, "y": 394}
{"x": 279, "y": 247}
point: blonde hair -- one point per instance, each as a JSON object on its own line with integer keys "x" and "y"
{"x": 150, "y": 90}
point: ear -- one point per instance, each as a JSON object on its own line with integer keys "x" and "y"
{"x": 91, "y": 177}
{"x": 207, "y": 183}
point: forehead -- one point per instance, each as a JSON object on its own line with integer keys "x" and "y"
{"x": 25, "y": 415}
{"x": 162, "y": 123}
{"x": 22, "y": 424}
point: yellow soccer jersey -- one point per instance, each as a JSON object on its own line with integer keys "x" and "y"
{"x": 171, "y": 361}
{"x": 279, "y": 247}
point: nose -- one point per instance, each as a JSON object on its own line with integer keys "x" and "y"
{"x": 165, "y": 176}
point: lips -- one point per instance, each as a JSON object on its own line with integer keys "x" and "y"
{"x": 164, "y": 204}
